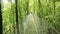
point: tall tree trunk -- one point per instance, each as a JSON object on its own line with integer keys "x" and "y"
{"x": 54, "y": 7}
{"x": 0, "y": 19}
{"x": 27, "y": 3}
{"x": 41, "y": 10}
{"x": 49, "y": 31}
{"x": 21, "y": 18}
{"x": 41, "y": 14}
{"x": 21, "y": 24}
{"x": 17, "y": 25}
{"x": 54, "y": 15}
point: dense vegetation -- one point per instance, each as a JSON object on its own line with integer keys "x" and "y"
{"x": 14, "y": 13}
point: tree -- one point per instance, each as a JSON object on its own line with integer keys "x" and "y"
{"x": 17, "y": 18}
{"x": 27, "y": 3}
{"x": 41, "y": 10}
{"x": 0, "y": 18}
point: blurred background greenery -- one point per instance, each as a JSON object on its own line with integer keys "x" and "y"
{"x": 14, "y": 13}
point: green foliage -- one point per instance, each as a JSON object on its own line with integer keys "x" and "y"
{"x": 27, "y": 6}
{"x": 57, "y": 0}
